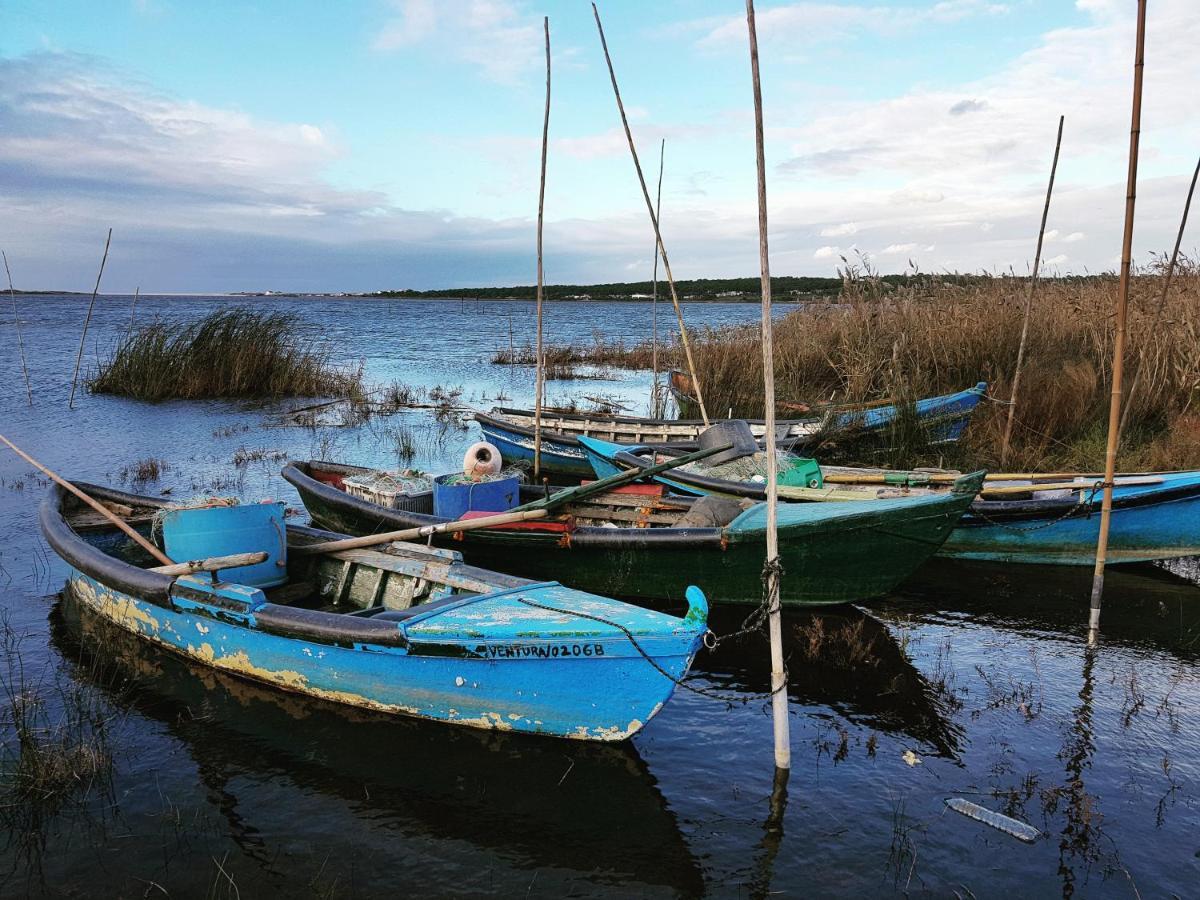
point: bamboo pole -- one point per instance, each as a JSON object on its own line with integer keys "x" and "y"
{"x": 772, "y": 569}
{"x": 683, "y": 335}
{"x": 1162, "y": 300}
{"x": 87, "y": 320}
{"x": 654, "y": 410}
{"x": 17, "y": 324}
{"x": 1037, "y": 259}
{"x": 108, "y": 514}
{"x": 133, "y": 307}
{"x": 1114, "y": 410}
{"x": 540, "y": 377}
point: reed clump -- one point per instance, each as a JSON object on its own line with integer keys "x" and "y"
{"x": 233, "y": 352}
{"x": 936, "y": 335}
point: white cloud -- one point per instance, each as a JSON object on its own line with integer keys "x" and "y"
{"x": 826, "y": 252}
{"x": 497, "y": 36}
{"x": 846, "y": 228}
{"x": 1057, "y": 260}
{"x": 812, "y": 23}
{"x": 895, "y": 249}
{"x": 1074, "y": 237}
{"x": 1052, "y": 234}
{"x": 415, "y": 21}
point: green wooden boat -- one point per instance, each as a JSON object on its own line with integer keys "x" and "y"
{"x": 639, "y": 542}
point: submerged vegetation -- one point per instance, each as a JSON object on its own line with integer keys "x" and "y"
{"x": 934, "y": 335}
{"x": 235, "y": 352}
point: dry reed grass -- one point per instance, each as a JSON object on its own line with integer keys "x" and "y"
{"x": 938, "y": 335}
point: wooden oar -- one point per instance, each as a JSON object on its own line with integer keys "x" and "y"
{"x": 212, "y": 564}
{"x": 919, "y": 478}
{"x": 116, "y": 520}
{"x": 791, "y": 492}
{"x": 1007, "y": 490}
{"x": 408, "y": 534}
{"x": 538, "y": 509}
{"x": 572, "y": 494}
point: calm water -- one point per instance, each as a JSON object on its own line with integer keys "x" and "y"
{"x": 977, "y": 674}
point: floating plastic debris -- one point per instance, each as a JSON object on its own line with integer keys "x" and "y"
{"x": 911, "y": 758}
{"x": 1022, "y": 831}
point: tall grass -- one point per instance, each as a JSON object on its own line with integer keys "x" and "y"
{"x": 934, "y": 336}
{"x": 234, "y": 352}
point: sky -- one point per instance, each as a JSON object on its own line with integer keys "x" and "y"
{"x": 390, "y": 144}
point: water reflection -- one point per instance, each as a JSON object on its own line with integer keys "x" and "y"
{"x": 849, "y": 661}
{"x": 536, "y": 803}
{"x": 1145, "y": 607}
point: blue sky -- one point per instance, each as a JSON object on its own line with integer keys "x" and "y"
{"x": 394, "y": 143}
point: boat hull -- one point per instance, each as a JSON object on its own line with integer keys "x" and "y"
{"x": 851, "y": 558}
{"x": 943, "y": 418}
{"x": 1149, "y": 522}
{"x": 441, "y": 682}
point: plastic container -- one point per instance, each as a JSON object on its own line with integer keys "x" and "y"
{"x": 451, "y": 500}
{"x": 734, "y": 431}
{"x": 393, "y": 492}
{"x": 202, "y": 532}
{"x": 802, "y": 472}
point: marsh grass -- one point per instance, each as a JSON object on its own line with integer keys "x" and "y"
{"x": 56, "y": 745}
{"x": 234, "y": 352}
{"x": 934, "y": 335}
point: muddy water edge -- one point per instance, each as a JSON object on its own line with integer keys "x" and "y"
{"x": 971, "y": 681}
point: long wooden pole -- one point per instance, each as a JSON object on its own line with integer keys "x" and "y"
{"x": 17, "y": 323}
{"x": 87, "y": 320}
{"x": 539, "y": 380}
{"x": 1162, "y": 299}
{"x": 1037, "y": 259}
{"x": 654, "y": 410}
{"x": 408, "y": 534}
{"x": 1114, "y": 409}
{"x": 108, "y": 514}
{"x": 683, "y": 335}
{"x": 133, "y": 307}
{"x": 772, "y": 570}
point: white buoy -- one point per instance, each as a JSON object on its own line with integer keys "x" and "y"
{"x": 481, "y": 460}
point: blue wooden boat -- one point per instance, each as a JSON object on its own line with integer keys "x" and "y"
{"x": 403, "y": 628}
{"x": 511, "y": 430}
{"x": 1155, "y": 515}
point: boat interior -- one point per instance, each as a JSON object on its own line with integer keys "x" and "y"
{"x": 631, "y": 506}
{"x": 388, "y": 582}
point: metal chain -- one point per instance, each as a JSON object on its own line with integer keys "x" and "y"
{"x": 1082, "y": 505}
{"x": 679, "y": 682}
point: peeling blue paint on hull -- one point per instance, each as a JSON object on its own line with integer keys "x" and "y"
{"x": 591, "y": 687}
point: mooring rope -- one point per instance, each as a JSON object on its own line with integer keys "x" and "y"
{"x": 679, "y": 682}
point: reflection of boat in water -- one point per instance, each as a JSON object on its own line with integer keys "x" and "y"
{"x": 849, "y": 661}
{"x": 1144, "y": 605}
{"x": 482, "y": 796}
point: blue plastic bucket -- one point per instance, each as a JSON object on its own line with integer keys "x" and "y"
{"x": 224, "y": 530}
{"x": 450, "y": 501}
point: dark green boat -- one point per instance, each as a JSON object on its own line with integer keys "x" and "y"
{"x": 638, "y": 542}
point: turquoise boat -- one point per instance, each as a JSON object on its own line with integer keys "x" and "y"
{"x": 1156, "y": 515}
{"x": 399, "y": 628}
{"x": 944, "y": 419}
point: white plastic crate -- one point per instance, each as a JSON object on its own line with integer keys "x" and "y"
{"x": 410, "y": 492}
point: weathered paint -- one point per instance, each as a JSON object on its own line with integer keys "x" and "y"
{"x": 507, "y": 677}
{"x": 1149, "y": 521}
{"x": 945, "y": 418}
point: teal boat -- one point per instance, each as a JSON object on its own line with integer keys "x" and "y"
{"x": 1050, "y": 519}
